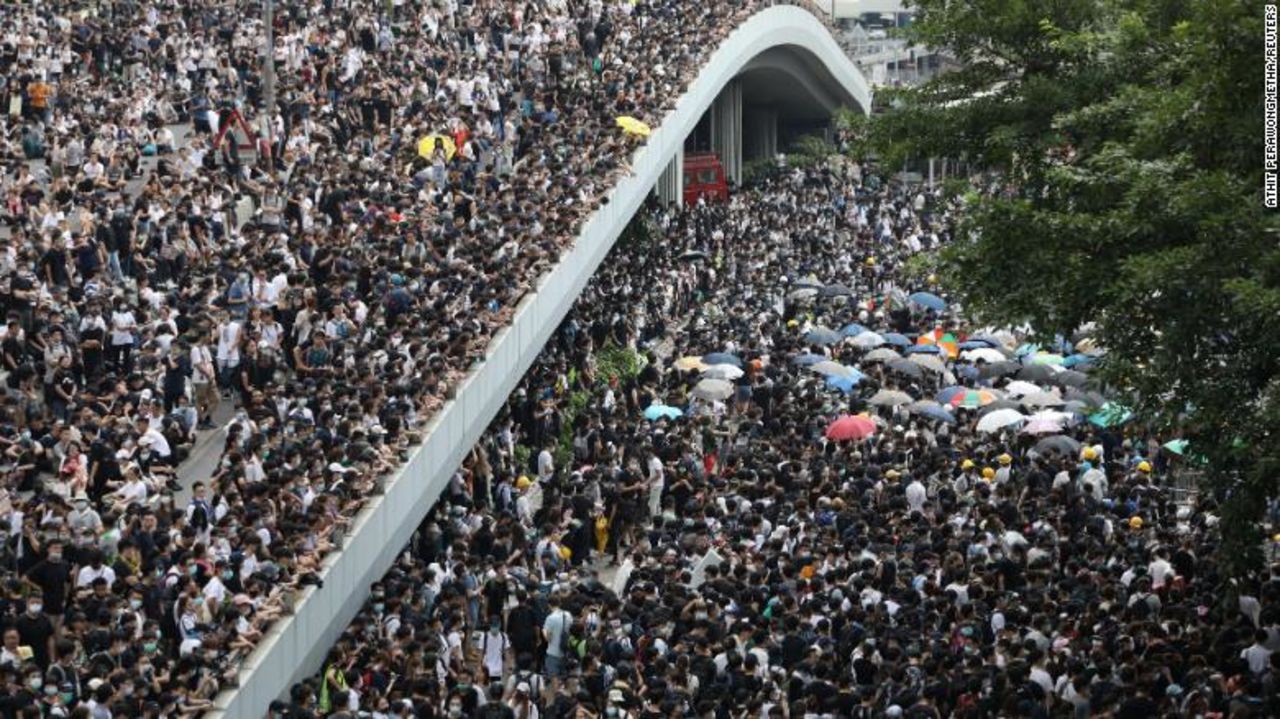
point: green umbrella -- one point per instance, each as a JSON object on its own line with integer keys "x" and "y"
{"x": 1110, "y": 415}
{"x": 1177, "y": 446}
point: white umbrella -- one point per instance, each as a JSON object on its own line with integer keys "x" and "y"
{"x": 722, "y": 371}
{"x": 1018, "y": 388}
{"x": 929, "y": 362}
{"x": 1049, "y": 415}
{"x": 1042, "y": 399}
{"x": 983, "y": 354}
{"x": 832, "y": 369}
{"x": 890, "y": 398}
{"x": 713, "y": 389}
{"x": 867, "y": 340}
{"x": 999, "y": 419}
{"x": 881, "y": 354}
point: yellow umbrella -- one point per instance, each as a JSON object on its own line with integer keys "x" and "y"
{"x": 427, "y": 145}
{"x": 632, "y": 126}
{"x": 684, "y": 364}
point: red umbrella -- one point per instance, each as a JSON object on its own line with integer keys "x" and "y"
{"x": 851, "y": 426}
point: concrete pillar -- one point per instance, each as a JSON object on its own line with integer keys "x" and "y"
{"x": 670, "y": 187}
{"x": 760, "y": 133}
{"x": 726, "y": 129}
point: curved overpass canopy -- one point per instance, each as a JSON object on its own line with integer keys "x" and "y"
{"x": 783, "y": 41}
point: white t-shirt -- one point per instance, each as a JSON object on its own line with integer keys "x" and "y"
{"x": 495, "y": 647}
{"x": 88, "y": 575}
{"x": 122, "y": 324}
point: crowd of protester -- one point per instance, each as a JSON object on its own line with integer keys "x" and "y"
{"x": 327, "y": 321}
{"x": 733, "y": 561}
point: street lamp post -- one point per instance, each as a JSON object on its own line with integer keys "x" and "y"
{"x": 268, "y": 74}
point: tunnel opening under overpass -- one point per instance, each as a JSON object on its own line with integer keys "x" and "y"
{"x": 782, "y": 94}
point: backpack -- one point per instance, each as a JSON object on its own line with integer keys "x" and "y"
{"x": 535, "y": 684}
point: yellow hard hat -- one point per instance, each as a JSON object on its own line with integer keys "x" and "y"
{"x": 933, "y": 279}
{"x": 1275, "y": 537}
{"x": 871, "y": 262}
{"x": 1005, "y": 459}
{"x": 967, "y": 464}
{"x": 523, "y": 482}
{"x": 1135, "y": 522}
{"x": 793, "y": 323}
{"x": 988, "y": 473}
{"x": 1144, "y": 466}
{"x": 565, "y": 553}
{"x": 893, "y": 474}
{"x": 1089, "y": 453}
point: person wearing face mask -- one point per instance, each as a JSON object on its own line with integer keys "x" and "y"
{"x": 52, "y": 577}
{"x": 36, "y": 631}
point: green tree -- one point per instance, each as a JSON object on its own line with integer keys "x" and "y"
{"x": 1126, "y": 136}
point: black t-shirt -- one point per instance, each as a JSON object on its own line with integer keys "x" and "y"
{"x": 52, "y": 578}
{"x": 35, "y": 632}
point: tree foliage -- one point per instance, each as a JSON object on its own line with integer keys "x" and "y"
{"x": 1127, "y": 136}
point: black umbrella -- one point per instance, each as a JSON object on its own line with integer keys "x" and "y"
{"x": 1068, "y": 378}
{"x": 999, "y": 404}
{"x": 906, "y": 367}
{"x": 998, "y": 369}
{"x": 1088, "y": 396}
{"x": 1036, "y": 373}
{"x": 694, "y": 255}
{"x": 836, "y": 291}
{"x": 1058, "y": 444}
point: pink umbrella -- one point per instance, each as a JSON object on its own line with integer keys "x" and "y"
{"x": 851, "y": 426}
{"x": 1042, "y": 426}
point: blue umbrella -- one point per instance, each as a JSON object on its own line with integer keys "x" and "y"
{"x": 1079, "y": 360}
{"x": 946, "y": 395}
{"x": 929, "y": 300}
{"x": 805, "y": 360}
{"x": 977, "y": 344}
{"x": 843, "y": 383}
{"x": 924, "y": 349}
{"x": 1026, "y": 349}
{"x": 966, "y": 371}
{"x": 722, "y": 358}
{"x": 894, "y": 338}
{"x": 853, "y": 329}
{"x": 821, "y": 336}
{"x": 655, "y": 412}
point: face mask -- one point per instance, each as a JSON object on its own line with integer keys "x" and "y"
{"x": 378, "y": 607}
{"x": 149, "y": 647}
{"x": 35, "y": 608}
{"x": 135, "y": 603}
{"x": 228, "y": 574}
{"x": 50, "y": 691}
{"x": 55, "y": 556}
{"x": 455, "y": 710}
{"x": 611, "y": 711}
{"x": 67, "y": 697}
{"x": 192, "y": 570}
{"x": 35, "y": 683}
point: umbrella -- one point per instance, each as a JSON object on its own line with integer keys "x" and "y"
{"x": 983, "y": 354}
{"x": 889, "y": 398}
{"x": 1049, "y": 415}
{"x": 844, "y": 383}
{"x": 632, "y": 126}
{"x": 1017, "y": 388}
{"x": 971, "y": 399}
{"x": 1087, "y": 397}
{"x": 1069, "y": 378}
{"x": 906, "y": 368}
{"x": 694, "y": 255}
{"x": 929, "y": 362}
{"x": 1177, "y": 446}
{"x": 721, "y": 358}
{"x": 998, "y": 405}
{"x": 427, "y": 146}
{"x": 883, "y": 354}
{"x": 853, "y": 329}
{"x": 1079, "y": 360}
{"x": 999, "y": 369}
{"x": 1110, "y": 415}
{"x": 1035, "y": 373}
{"x": 978, "y": 344}
{"x": 1042, "y": 399}
{"x": 924, "y": 350}
{"x": 1025, "y": 349}
{"x": 851, "y": 426}
{"x": 1042, "y": 426}
{"x": 997, "y": 339}
{"x": 894, "y": 338}
{"x": 655, "y": 412}
{"x": 822, "y": 336}
{"x": 713, "y": 389}
{"x": 808, "y": 359}
{"x": 929, "y": 300}
{"x": 1059, "y": 444}
{"x": 837, "y": 291}
{"x": 1044, "y": 358}
{"x": 684, "y": 364}
{"x": 722, "y": 371}
{"x": 867, "y": 340}
{"x": 804, "y": 293}
{"x": 810, "y": 281}
{"x": 833, "y": 369}
{"x": 932, "y": 410}
{"x": 999, "y": 419}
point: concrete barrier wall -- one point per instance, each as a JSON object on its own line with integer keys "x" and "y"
{"x": 295, "y": 646}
